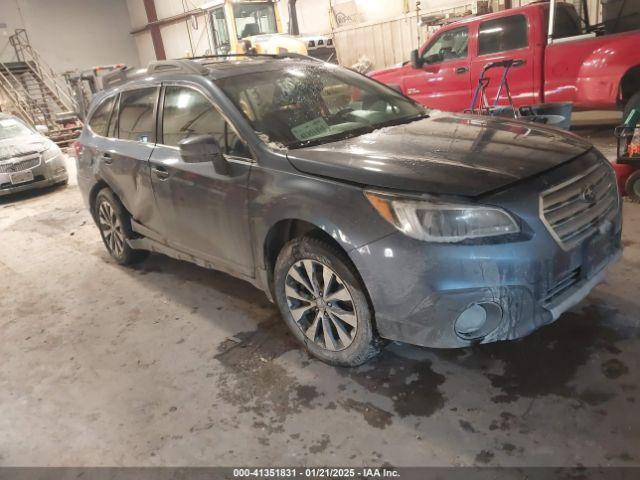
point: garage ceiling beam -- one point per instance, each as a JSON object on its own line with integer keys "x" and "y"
{"x": 154, "y": 28}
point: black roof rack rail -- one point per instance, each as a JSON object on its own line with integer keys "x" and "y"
{"x": 256, "y": 55}
{"x": 125, "y": 74}
{"x": 184, "y": 65}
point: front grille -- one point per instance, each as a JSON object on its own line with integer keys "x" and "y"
{"x": 562, "y": 286}
{"x": 575, "y": 209}
{"x": 18, "y": 165}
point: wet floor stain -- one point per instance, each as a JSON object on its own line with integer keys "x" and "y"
{"x": 614, "y": 368}
{"x": 374, "y": 416}
{"x": 254, "y": 383}
{"x": 321, "y": 445}
{"x": 484, "y": 457}
{"x": 412, "y": 385}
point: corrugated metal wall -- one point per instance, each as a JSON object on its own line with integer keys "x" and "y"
{"x": 385, "y": 43}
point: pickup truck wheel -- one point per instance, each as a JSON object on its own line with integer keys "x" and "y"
{"x": 115, "y": 228}
{"x": 633, "y": 187}
{"x": 323, "y": 302}
{"x": 633, "y": 103}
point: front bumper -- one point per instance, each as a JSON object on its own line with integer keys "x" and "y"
{"x": 45, "y": 174}
{"x": 420, "y": 289}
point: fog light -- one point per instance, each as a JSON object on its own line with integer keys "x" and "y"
{"x": 478, "y": 320}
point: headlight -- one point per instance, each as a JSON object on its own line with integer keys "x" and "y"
{"x": 442, "y": 222}
{"x": 51, "y": 151}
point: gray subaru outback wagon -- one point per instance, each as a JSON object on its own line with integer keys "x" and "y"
{"x": 362, "y": 215}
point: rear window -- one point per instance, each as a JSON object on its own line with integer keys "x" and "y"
{"x": 99, "y": 122}
{"x": 136, "y": 120}
{"x": 503, "y": 34}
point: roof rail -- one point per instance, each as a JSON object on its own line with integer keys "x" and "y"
{"x": 274, "y": 56}
{"x": 179, "y": 66}
{"x": 125, "y": 74}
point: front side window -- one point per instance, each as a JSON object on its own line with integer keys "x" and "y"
{"x": 503, "y": 34}
{"x": 254, "y": 19}
{"x": 136, "y": 119}
{"x": 303, "y": 104}
{"x": 188, "y": 113}
{"x": 450, "y": 45}
{"x": 99, "y": 122}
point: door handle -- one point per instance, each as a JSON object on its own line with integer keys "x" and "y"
{"x": 519, "y": 63}
{"x": 160, "y": 172}
{"x": 461, "y": 70}
{"x": 106, "y": 158}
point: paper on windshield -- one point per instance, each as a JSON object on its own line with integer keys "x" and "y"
{"x": 314, "y": 128}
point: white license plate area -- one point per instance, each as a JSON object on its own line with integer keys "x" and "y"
{"x": 21, "y": 177}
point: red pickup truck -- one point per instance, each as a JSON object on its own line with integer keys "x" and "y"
{"x": 591, "y": 66}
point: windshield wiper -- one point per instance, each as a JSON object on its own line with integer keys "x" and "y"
{"x": 400, "y": 121}
{"x": 333, "y": 138}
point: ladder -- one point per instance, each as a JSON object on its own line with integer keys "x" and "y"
{"x": 36, "y": 94}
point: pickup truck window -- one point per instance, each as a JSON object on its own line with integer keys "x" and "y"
{"x": 449, "y": 45}
{"x": 503, "y": 34}
{"x": 567, "y": 23}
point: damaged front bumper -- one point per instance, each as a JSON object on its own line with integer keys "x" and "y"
{"x": 435, "y": 294}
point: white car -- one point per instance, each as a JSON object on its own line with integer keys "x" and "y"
{"x": 27, "y": 158}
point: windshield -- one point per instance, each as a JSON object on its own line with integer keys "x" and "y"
{"x": 12, "y": 127}
{"x": 254, "y": 19}
{"x": 305, "y": 104}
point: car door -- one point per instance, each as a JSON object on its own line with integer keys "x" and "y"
{"x": 443, "y": 82}
{"x": 204, "y": 213}
{"x": 124, "y": 156}
{"x": 506, "y": 38}
{"x": 124, "y": 137}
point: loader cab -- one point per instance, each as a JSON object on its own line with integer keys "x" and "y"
{"x": 236, "y": 26}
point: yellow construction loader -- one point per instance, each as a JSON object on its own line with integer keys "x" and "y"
{"x": 252, "y": 26}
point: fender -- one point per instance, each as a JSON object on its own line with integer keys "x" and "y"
{"x": 286, "y": 196}
{"x": 589, "y": 72}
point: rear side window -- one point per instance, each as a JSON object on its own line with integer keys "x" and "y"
{"x": 99, "y": 122}
{"x": 503, "y": 34}
{"x": 187, "y": 113}
{"x": 136, "y": 119}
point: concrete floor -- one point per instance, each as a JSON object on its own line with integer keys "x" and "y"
{"x": 171, "y": 364}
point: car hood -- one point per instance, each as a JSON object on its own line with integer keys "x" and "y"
{"x": 22, "y": 145}
{"x": 445, "y": 154}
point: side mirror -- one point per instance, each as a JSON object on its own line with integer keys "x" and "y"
{"x": 43, "y": 129}
{"x": 416, "y": 59}
{"x": 204, "y": 148}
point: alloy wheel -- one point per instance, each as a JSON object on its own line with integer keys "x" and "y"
{"x": 111, "y": 228}
{"x": 321, "y": 305}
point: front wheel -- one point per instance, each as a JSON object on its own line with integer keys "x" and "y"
{"x": 632, "y": 187}
{"x": 323, "y": 302}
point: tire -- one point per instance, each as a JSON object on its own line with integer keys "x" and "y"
{"x": 632, "y": 187}
{"x": 633, "y": 103}
{"x": 111, "y": 216}
{"x": 339, "y": 303}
